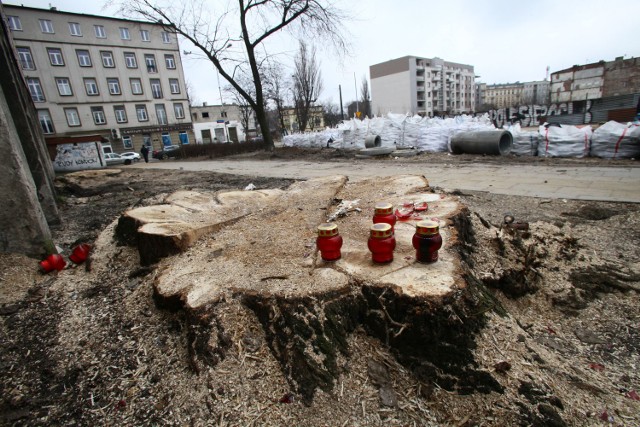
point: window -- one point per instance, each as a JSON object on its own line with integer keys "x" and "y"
{"x": 64, "y": 87}
{"x": 170, "y": 61}
{"x": 14, "y": 23}
{"x": 100, "y": 32}
{"x": 35, "y": 89}
{"x": 150, "y": 60}
{"x": 84, "y": 58}
{"x": 136, "y": 86}
{"x": 25, "y": 58}
{"x": 120, "y": 113}
{"x": 195, "y": 116}
{"x": 223, "y": 114}
{"x": 156, "y": 89}
{"x": 45, "y": 121}
{"x": 55, "y": 57}
{"x": 98, "y": 116}
{"x": 73, "y": 119}
{"x": 141, "y": 112}
{"x": 124, "y": 33}
{"x": 184, "y": 137}
{"x": 178, "y": 109}
{"x": 205, "y": 115}
{"x": 126, "y": 142}
{"x": 91, "y": 86}
{"x": 107, "y": 59}
{"x": 144, "y": 35}
{"x": 166, "y": 38}
{"x": 46, "y": 26}
{"x": 174, "y": 85}
{"x": 161, "y": 114}
{"x": 114, "y": 86}
{"x": 130, "y": 60}
{"x": 74, "y": 29}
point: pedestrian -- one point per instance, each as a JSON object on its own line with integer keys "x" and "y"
{"x": 145, "y": 153}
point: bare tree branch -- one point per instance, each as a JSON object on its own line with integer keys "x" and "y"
{"x": 229, "y": 38}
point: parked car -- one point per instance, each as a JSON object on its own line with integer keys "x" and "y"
{"x": 116, "y": 159}
{"x": 166, "y": 152}
{"x": 131, "y": 155}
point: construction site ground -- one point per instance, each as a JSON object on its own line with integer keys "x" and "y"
{"x": 545, "y": 330}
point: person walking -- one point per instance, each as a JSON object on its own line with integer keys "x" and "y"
{"x": 145, "y": 153}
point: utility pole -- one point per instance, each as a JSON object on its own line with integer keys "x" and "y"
{"x": 341, "y": 110}
{"x": 355, "y": 85}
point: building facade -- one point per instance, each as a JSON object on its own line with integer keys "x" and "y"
{"x": 578, "y": 83}
{"x": 424, "y": 86}
{"x": 315, "y": 121}
{"x": 222, "y": 123}
{"x": 93, "y": 75}
{"x": 504, "y": 95}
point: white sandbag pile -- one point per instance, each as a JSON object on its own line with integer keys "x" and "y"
{"x": 525, "y": 143}
{"x": 564, "y": 141}
{"x": 614, "y": 140}
{"x": 395, "y": 130}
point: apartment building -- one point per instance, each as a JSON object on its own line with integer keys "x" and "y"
{"x": 505, "y": 95}
{"x": 424, "y": 86}
{"x": 95, "y": 75}
{"x": 315, "y": 121}
{"x": 596, "y": 80}
{"x": 223, "y": 123}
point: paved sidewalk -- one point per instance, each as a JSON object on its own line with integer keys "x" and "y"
{"x": 618, "y": 184}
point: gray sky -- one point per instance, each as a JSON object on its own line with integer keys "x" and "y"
{"x": 506, "y": 41}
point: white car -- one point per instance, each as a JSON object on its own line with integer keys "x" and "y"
{"x": 116, "y": 159}
{"x": 131, "y": 155}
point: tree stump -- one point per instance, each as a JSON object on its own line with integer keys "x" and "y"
{"x": 258, "y": 249}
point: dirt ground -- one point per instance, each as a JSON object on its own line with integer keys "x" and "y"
{"x": 559, "y": 335}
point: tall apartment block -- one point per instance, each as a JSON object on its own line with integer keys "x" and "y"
{"x": 424, "y": 86}
{"x": 95, "y": 75}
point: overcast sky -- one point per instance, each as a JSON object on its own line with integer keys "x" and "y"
{"x": 506, "y": 41}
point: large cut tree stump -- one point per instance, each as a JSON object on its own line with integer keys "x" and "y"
{"x": 258, "y": 248}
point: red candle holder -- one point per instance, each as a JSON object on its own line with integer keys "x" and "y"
{"x": 80, "y": 253}
{"x": 329, "y": 242}
{"x": 427, "y": 241}
{"x": 52, "y": 262}
{"x": 381, "y": 243}
{"x": 383, "y": 213}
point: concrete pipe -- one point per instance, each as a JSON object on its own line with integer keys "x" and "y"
{"x": 372, "y": 141}
{"x": 482, "y": 142}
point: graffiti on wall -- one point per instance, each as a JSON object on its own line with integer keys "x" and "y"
{"x": 79, "y": 156}
{"x": 533, "y": 115}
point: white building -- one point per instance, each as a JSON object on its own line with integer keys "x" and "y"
{"x": 89, "y": 75}
{"x": 222, "y": 123}
{"x": 422, "y": 86}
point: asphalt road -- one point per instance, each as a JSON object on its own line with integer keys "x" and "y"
{"x": 619, "y": 184}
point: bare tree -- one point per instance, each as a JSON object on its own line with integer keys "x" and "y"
{"x": 307, "y": 84}
{"x": 332, "y": 116}
{"x": 193, "y": 100}
{"x": 365, "y": 100}
{"x": 276, "y": 84}
{"x": 234, "y": 39}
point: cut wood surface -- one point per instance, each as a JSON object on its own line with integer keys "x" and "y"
{"x": 271, "y": 250}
